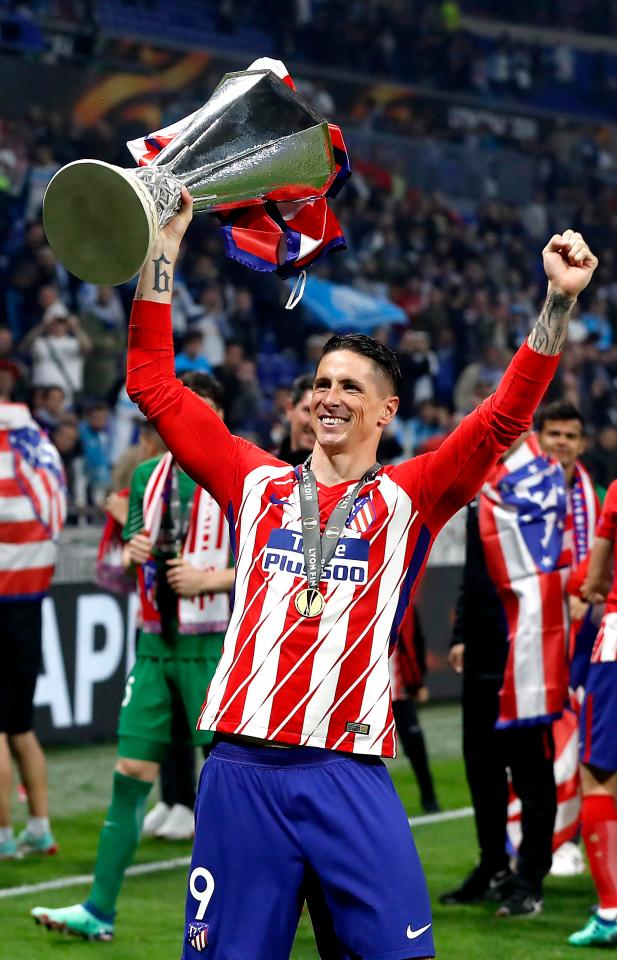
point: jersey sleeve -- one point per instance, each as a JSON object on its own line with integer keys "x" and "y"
{"x": 442, "y": 482}
{"x": 135, "y": 517}
{"x": 192, "y": 431}
{"x": 607, "y": 524}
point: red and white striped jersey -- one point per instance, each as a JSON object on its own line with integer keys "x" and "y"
{"x": 324, "y": 681}
{"x": 32, "y": 505}
{"x": 320, "y": 682}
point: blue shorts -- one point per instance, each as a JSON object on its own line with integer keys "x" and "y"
{"x": 272, "y": 822}
{"x": 598, "y": 740}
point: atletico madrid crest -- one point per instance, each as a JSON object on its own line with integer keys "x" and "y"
{"x": 362, "y": 515}
{"x": 197, "y": 936}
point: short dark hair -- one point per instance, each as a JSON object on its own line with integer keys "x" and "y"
{"x": 148, "y": 429}
{"x": 559, "y": 410}
{"x": 382, "y": 357}
{"x": 299, "y": 387}
{"x": 205, "y": 386}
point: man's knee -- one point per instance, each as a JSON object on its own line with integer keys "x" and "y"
{"x": 22, "y": 743}
{"x": 146, "y": 770}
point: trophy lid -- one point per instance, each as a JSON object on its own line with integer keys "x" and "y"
{"x": 100, "y": 221}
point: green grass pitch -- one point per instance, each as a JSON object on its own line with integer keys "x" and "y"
{"x": 150, "y": 916}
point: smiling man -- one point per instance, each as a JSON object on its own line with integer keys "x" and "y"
{"x": 561, "y": 433}
{"x": 295, "y": 787}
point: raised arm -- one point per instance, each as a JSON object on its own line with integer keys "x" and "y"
{"x": 197, "y": 437}
{"x": 597, "y": 583}
{"x": 445, "y": 480}
{"x": 569, "y": 265}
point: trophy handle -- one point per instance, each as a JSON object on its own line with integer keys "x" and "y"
{"x": 101, "y": 221}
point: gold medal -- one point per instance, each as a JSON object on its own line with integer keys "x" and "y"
{"x": 309, "y": 602}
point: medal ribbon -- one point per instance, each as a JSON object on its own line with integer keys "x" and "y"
{"x": 319, "y": 551}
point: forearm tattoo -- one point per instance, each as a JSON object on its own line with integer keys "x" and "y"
{"x": 551, "y": 328}
{"x": 162, "y": 279}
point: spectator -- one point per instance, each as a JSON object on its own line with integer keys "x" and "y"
{"x": 418, "y": 367}
{"x": 430, "y": 421}
{"x": 299, "y": 442}
{"x": 479, "y": 379}
{"x": 563, "y": 63}
{"x": 24, "y": 582}
{"x": 596, "y": 322}
{"x": 227, "y": 373}
{"x": 96, "y": 443}
{"x": 242, "y": 321}
{"x": 192, "y": 356}
{"x": 103, "y": 320}
{"x": 48, "y": 406}
{"x": 43, "y": 167}
{"x": 65, "y": 437}
{"x": 58, "y": 347}
{"x": 212, "y": 323}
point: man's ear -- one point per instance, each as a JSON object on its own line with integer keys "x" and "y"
{"x": 390, "y": 407}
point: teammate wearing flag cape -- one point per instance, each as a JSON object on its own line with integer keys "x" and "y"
{"x": 295, "y": 787}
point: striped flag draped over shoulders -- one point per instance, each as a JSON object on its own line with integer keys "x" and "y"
{"x": 522, "y": 515}
{"x": 32, "y": 505}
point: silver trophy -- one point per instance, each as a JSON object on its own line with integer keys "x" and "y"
{"x": 254, "y": 140}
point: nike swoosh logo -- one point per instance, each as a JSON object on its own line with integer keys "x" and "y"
{"x": 413, "y": 934}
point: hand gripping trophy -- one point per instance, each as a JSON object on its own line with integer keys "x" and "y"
{"x": 256, "y": 155}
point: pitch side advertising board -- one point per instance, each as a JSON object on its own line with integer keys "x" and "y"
{"x": 88, "y": 650}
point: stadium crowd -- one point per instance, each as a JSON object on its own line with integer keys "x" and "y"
{"x": 590, "y": 16}
{"x": 431, "y": 44}
{"x": 467, "y": 278}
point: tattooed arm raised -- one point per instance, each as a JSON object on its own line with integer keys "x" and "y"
{"x": 569, "y": 265}
{"x": 157, "y": 274}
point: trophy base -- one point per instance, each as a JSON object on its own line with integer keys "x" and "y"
{"x": 100, "y": 220}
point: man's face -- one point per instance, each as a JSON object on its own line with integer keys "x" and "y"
{"x": 54, "y": 400}
{"x": 563, "y": 440}
{"x": 351, "y": 401}
{"x": 97, "y": 418}
{"x": 302, "y": 435}
{"x": 65, "y": 438}
{"x": 58, "y": 327}
{"x": 234, "y": 356}
{"x": 193, "y": 347}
